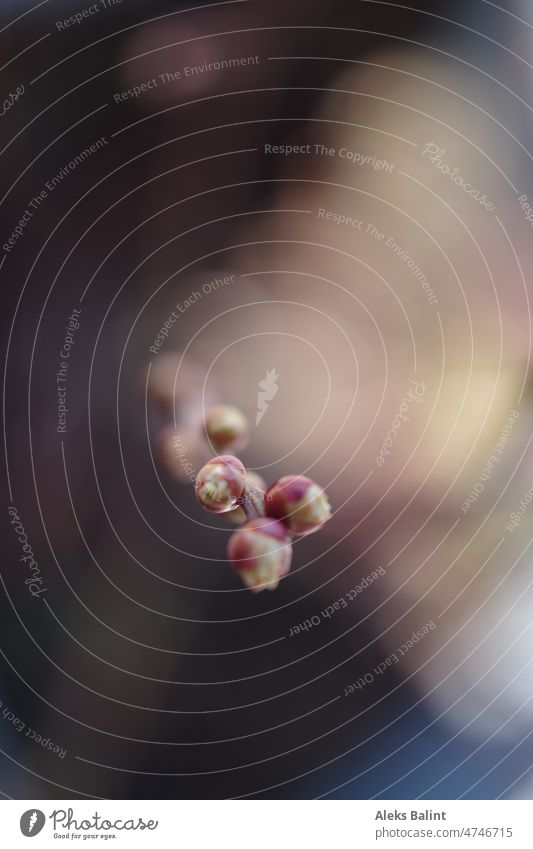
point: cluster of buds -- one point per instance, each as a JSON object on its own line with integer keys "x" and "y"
{"x": 261, "y": 549}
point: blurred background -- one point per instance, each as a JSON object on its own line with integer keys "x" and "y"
{"x": 340, "y": 192}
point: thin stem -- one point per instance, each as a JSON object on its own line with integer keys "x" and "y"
{"x": 252, "y": 502}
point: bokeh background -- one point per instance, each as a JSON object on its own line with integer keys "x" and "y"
{"x": 387, "y": 273}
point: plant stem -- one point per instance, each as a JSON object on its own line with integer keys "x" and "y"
{"x": 252, "y": 502}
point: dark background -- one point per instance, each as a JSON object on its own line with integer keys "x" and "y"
{"x": 122, "y": 665}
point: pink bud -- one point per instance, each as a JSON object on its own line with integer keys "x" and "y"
{"x": 261, "y": 552}
{"x": 299, "y": 502}
{"x": 220, "y": 483}
{"x": 226, "y": 428}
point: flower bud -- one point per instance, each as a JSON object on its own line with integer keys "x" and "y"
{"x": 226, "y": 428}
{"x": 220, "y": 483}
{"x": 261, "y": 552}
{"x": 299, "y": 502}
{"x": 254, "y": 482}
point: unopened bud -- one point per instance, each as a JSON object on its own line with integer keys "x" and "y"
{"x": 261, "y": 552}
{"x": 226, "y": 428}
{"x": 298, "y": 502}
{"x": 220, "y": 483}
